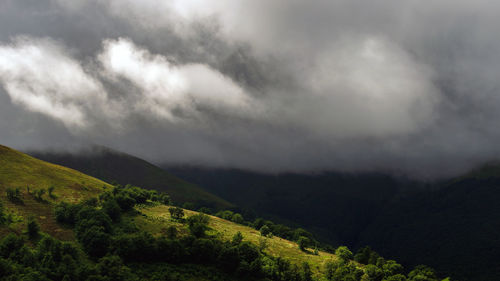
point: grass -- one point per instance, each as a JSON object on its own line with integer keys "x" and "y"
{"x": 18, "y": 170}
{"x": 157, "y": 218}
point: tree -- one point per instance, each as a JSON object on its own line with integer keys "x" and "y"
{"x": 422, "y": 273}
{"x": 66, "y": 212}
{"x": 171, "y": 232}
{"x": 14, "y": 195}
{"x": 237, "y": 238}
{"x": 229, "y": 259}
{"x": 343, "y": 253}
{"x": 112, "y": 209}
{"x": 50, "y": 191}
{"x": 265, "y": 230}
{"x": 306, "y": 272}
{"x": 374, "y": 273}
{"x": 39, "y": 194}
{"x": 303, "y": 242}
{"x": 125, "y": 202}
{"x": 3, "y": 218}
{"x": 238, "y": 218}
{"x": 32, "y": 228}
{"x": 95, "y": 241}
{"x": 198, "y": 224}
{"x": 176, "y": 213}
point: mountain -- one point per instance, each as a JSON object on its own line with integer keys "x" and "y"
{"x": 451, "y": 225}
{"x": 319, "y": 202}
{"x": 18, "y": 170}
{"x": 132, "y": 237}
{"x": 117, "y": 167}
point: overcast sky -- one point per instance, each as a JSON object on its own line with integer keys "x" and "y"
{"x": 408, "y": 87}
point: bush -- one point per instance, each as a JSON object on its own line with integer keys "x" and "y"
{"x": 3, "y": 218}
{"x": 229, "y": 259}
{"x": 198, "y": 224}
{"x": 304, "y": 243}
{"x": 88, "y": 217}
{"x": 32, "y": 228}
{"x": 237, "y": 238}
{"x": 176, "y": 213}
{"x": 112, "y": 209}
{"x": 125, "y": 202}
{"x": 265, "y": 231}
{"x": 95, "y": 241}
{"x": 66, "y": 212}
{"x": 238, "y": 218}
{"x": 14, "y": 195}
{"x": 343, "y": 253}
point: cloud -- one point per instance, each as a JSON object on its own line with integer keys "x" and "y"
{"x": 168, "y": 90}
{"x": 285, "y": 85}
{"x": 38, "y": 74}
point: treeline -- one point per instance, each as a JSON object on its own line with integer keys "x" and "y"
{"x": 109, "y": 247}
{"x": 304, "y": 238}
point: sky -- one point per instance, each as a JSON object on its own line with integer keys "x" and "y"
{"x": 406, "y": 87}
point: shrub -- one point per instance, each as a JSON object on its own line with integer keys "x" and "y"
{"x": 95, "y": 241}
{"x": 32, "y": 228}
{"x": 343, "y": 253}
{"x": 125, "y": 202}
{"x": 14, "y": 195}
{"x": 112, "y": 209}
{"x": 237, "y": 238}
{"x": 66, "y": 212}
{"x": 265, "y": 230}
{"x": 198, "y": 224}
{"x": 303, "y": 243}
{"x": 238, "y": 218}
{"x": 176, "y": 213}
{"x": 50, "y": 190}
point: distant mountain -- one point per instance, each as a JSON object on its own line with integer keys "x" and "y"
{"x": 114, "y": 166}
{"x": 451, "y": 225}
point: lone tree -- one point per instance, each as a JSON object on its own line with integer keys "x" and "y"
{"x": 176, "y": 213}
{"x": 303, "y": 242}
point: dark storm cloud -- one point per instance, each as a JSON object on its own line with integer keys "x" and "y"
{"x": 398, "y": 86}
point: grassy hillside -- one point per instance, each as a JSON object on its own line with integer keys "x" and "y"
{"x": 113, "y": 166}
{"x": 18, "y": 170}
{"x": 157, "y": 218}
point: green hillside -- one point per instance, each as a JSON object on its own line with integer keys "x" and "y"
{"x": 157, "y": 218}
{"x": 114, "y": 166}
{"x": 18, "y": 170}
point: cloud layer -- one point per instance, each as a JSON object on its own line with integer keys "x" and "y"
{"x": 275, "y": 86}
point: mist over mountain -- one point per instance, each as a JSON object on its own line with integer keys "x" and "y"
{"x": 408, "y": 88}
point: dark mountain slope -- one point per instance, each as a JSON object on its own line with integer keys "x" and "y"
{"x": 321, "y": 203}
{"x": 453, "y": 226}
{"x": 113, "y": 166}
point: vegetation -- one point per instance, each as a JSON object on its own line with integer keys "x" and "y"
{"x": 128, "y": 233}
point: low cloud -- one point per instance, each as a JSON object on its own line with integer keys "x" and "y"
{"x": 286, "y": 85}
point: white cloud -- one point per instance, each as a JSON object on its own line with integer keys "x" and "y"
{"x": 39, "y": 75}
{"x": 167, "y": 88}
